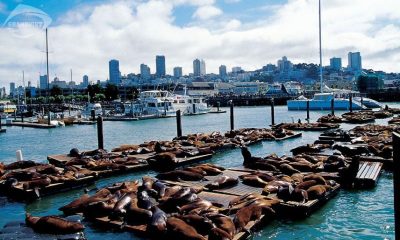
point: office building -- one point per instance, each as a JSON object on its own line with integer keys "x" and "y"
{"x": 43, "y": 82}
{"x": 115, "y": 74}
{"x": 12, "y": 88}
{"x": 222, "y": 71}
{"x": 177, "y": 72}
{"x": 199, "y": 67}
{"x": 85, "y": 81}
{"x": 145, "y": 72}
{"x": 336, "y": 63}
{"x": 160, "y": 66}
{"x": 354, "y": 59}
{"x": 284, "y": 65}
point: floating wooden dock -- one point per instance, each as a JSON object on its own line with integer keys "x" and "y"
{"x": 3, "y": 130}
{"x": 121, "y": 119}
{"x": 220, "y": 111}
{"x": 296, "y": 135}
{"x": 368, "y": 174}
{"x": 17, "y": 192}
{"x": 30, "y": 125}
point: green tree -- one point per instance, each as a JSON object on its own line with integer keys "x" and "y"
{"x": 111, "y": 92}
{"x": 93, "y": 90}
{"x": 55, "y": 90}
{"x": 99, "y": 97}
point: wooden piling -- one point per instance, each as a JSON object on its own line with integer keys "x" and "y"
{"x": 0, "y": 124}
{"x": 333, "y": 106}
{"x": 396, "y": 183}
{"x": 15, "y": 115}
{"x": 272, "y": 112}
{"x": 351, "y": 103}
{"x": 308, "y": 110}
{"x": 232, "y": 117}
{"x": 194, "y": 108}
{"x": 93, "y": 114}
{"x": 178, "y": 124}
{"x": 218, "y": 106}
{"x": 100, "y": 136}
{"x": 22, "y": 117}
{"x": 48, "y": 117}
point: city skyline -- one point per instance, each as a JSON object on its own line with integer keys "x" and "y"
{"x": 214, "y": 31}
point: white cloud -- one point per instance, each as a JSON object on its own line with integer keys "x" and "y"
{"x": 135, "y": 32}
{"x": 232, "y": 1}
{"x": 206, "y": 12}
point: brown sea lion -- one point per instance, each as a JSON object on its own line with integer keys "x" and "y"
{"x": 222, "y": 182}
{"x": 317, "y": 191}
{"x": 244, "y": 198}
{"x": 211, "y": 171}
{"x": 219, "y": 234}
{"x": 123, "y": 202}
{"x": 273, "y": 186}
{"x": 178, "y": 229}
{"x": 249, "y": 213}
{"x": 158, "y": 222}
{"x": 160, "y": 188}
{"x": 171, "y": 191}
{"x": 202, "y": 224}
{"x": 302, "y": 167}
{"x": 253, "y": 180}
{"x": 196, "y": 206}
{"x": 287, "y": 169}
{"x": 165, "y": 158}
{"x": 79, "y": 204}
{"x": 180, "y": 175}
{"x": 53, "y": 225}
{"x": 39, "y": 183}
{"x": 223, "y": 222}
{"x": 297, "y": 177}
{"x": 316, "y": 177}
{"x": 136, "y": 215}
{"x": 196, "y": 170}
{"x": 20, "y": 165}
{"x": 306, "y": 184}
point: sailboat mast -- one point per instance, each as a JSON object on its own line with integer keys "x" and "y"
{"x": 48, "y": 77}
{"x": 23, "y": 82}
{"x": 320, "y": 48}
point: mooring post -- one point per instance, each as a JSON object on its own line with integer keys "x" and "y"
{"x": 333, "y": 106}
{"x": 100, "y": 136}
{"x": 218, "y": 105}
{"x": 93, "y": 114}
{"x": 396, "y": 183}
{"x": 362, "y": 102}
{"x": 194, "y": 108}
{"x": 15, "y": 115}
{"x": 0, "y": 123}
{"x": 308, "y": 110}
{"x": 351, "y": 103}
{"x": 272, "y": 112}
{"x": 232, "y": 117}
{"x": 22, "y": 117}
{"x": 178, "y": 124}
{"x": 48, "y": 117}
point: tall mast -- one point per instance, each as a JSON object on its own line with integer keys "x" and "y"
{"x": 72, "y": 88}
{"x": 48, "y": 77}
{"x": 320, "y": 47}
{"x": 23, "y": 82}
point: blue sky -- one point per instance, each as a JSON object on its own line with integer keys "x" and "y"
{"x": 85, "y": 35}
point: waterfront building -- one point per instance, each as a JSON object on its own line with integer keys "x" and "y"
{"x": 145, "y": 72}
{"x": 57, "y": 82}
{"x": 43, "y": 82}
{"x": 177, "y": 72}
{"x": 160, "y": 66}
{"x": 199, "y": 67}
{"x": 114, "y": 73}
{"x": 336, "y": 63}
{"x": 354, "y": 62}
{"x": 85, "y": 81}
{"x": 222, "y": 71}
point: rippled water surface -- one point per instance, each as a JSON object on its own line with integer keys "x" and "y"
{"x": 350, "y": 215}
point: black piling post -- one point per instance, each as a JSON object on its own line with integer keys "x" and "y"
{"x": 362, "y": 102}
{"x": 232, "y": 117}
{"x": 194, "y": 108}
{"x": 351, "y": 103}
{"x": 308, "y": 110}
{"x": 333, "y": 106}
{"x": 396, "y": 183}
{"x": 22, "y": 117}
{"x": 15, "y": 115}
{"x": 178, "y": 124}
{"x": 0, "y": 124}
{"x": 272, "y": 112}
{"x": 48, "y": 117}
{"x": 100, "y": 136}
{"x": 93, "y": 114}
{"x": 218, "y": 106}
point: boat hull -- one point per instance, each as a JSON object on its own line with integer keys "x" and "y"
{"x": 342, "y": 104}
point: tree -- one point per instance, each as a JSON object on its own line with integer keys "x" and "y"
{"x": 99, "y": 97}
{"x": 55, "y": 90}
{"x": 111, "y": 92}
{"x": 93, "y": 90}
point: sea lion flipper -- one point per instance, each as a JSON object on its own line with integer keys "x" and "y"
{"x": 37, "y": 192}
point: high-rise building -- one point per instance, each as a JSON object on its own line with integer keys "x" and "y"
{"x": 177, "y": 72}
{"x": 160, "y": 66}
{"x": 85, "y": 81}
{"x": 222, "y": 71}
{"x": 145, "y": 72}
{"x": 3, "y": 92}
{"x": 354, "y": 59}
{"x": 336, "y": 63}
{"x": 199, "y": 67}
{"x": 115, "y": 74}
{"x": 12, "y": 88}
{"x": 284, "y": 65}
{"x": 236, "y": 69}
{"x": 43, "y": 82}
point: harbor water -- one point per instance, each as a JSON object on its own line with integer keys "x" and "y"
{"x": 366, "y": 214}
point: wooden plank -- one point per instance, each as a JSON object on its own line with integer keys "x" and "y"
{"x": 361, "y": 169}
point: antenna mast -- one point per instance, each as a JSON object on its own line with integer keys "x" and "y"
{"x": 320, "y": 48}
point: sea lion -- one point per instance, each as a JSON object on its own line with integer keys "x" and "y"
{"x": 39, "y": 183}
{"x": 178, "y": 229}
{"x": 219, "y": 234}
{"x": 53, "y": 225}
{"x": 158, "y": 222}
{"x": 78, "y": 205}
{"x": 297, "y": 177}
{"x": 302, "y": 167}
{"x": 119, "y": 208}
{"x": 273, "y": 186}
{"x": 223, "y": 222}
{"x": 171, "y": 191}
{"x": 317, "y": 191}
{"x": 222, "y": 182}
{"x": 318, "y": 178}
{"x": 144, "y": 200}
{"x": 195, "y": 206}
{"x": 306, "y": 184}
{"x": 245, "y": 198}
{"x": 211, "y": 171}
{"x": 165, "y": 158}
{"x": 287, "y": 169}
{"x": 196, "y": 169}
{"x": 136, "y": 215}
{"x": 254, "y": 181}
{"x": 147, "y": 183}
{"x": 20, "y": 165}
{"x": 180, "y": 175}
{"x": 160, "y": 188}
{"x": 202, "y": 224}
{"x": 249, "y": 213}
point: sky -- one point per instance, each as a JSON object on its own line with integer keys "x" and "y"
{"x": 85, "y": 35}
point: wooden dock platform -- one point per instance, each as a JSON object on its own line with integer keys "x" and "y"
{"x": 368, "y": 174}
{"x": 30, "y": 125}
{"x": 296, "y": 135}
{"x": 3, "y": 130}
{"x": 122, "y": 119}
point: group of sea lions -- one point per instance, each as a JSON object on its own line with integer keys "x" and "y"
{"x": 30, "y": 175}
{"x": 304, "y": 126}
{"x": 173, "y": 212}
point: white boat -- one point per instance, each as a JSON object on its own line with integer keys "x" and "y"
{"x": 368, "y": 102}
{"x": 323, "y": 101}
{"x": 133, "y": 108}
{"x": 157, "y": 103}
{"x": 190, "y": 105}
{"x": 87, "y": 111}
